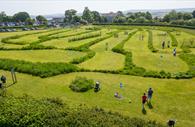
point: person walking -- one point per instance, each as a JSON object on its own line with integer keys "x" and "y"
{"x": 144, "y": 99}
{"x": 150, "y": 92}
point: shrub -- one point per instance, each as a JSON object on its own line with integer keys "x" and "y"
{"x": 174, "y": 40}
{"x": 28, "y": 112}
{"x": 86, "y": 36}
{"x": 89, "y": 55}
{"x": 37, "y": 47}
{"x": 81, "y": 84}
{"x": 150, "y": 42}
{"x": 37, "y": 69}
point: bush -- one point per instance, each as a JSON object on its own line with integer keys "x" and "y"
{"x": 86, "y": 36}
{"x": 81, "y": 84}
{"x": 37, "y": 69}
{"x": 174, "y": 40}
{"x": 89, "y": 55}
{"x": 150, "y": 42}
{"x": 37, "y": 47}
{"x": 28, "y": 112}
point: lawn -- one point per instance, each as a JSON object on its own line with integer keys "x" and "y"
{"x": 33, "y": 37}
{"x": 143, "y": 57}
{"x": 105, "y": 60}
{"x": 42, "y": 55}
{"x": 63, "y": 42}
{"x": 172, "y": 98}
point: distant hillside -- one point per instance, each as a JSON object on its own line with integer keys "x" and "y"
{"x": 162, "y": 12}
{"x": 159, "y": 12}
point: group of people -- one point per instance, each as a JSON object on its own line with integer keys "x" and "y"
{"x": 3, "y": 81}
{"x": 164, "y": 44}
{"x": 147, "y": 98}
{"x": 168, "y": 45}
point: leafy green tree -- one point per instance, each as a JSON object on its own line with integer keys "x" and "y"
{"x": 41, "y": 19}
{"x": 96, "y": 16}
{"x": 30, "y": 21}
{"x": 21, "y": 16}
{"x": 76, "y": 19}
{"x": 193, "y": 13}
{"x": 187, "y": 16}
{"x": 69, "y": 14}
{"x": 87, "y": 15}
{"x": 2, "y": 16}
{"x": 148, "y": 16}
{"x": 140, "y": 20}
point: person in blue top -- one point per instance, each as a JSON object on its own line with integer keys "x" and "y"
{"x": 121, "y": 85}
{"x": 150, "y": 92}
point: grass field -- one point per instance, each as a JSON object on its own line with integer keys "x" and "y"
{"x": 143, "y": 57}
{"x": 173, "y": 98}
{"x": 42, "y": 55}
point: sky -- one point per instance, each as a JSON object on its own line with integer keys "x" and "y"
{"x": 44, "y": 7}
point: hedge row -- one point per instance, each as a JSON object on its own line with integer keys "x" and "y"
{"x": 53, "y": 112}
{"x": 50, "y": 34}
{"x": 85, "y": 47}
{"x": 90, "y": 54}
{"x": 119, "y": 47}
{"x": 8, "y": 39}
{"x": 37, "y": 69}
{"x": 174, "y": 40}
{"x": 150, "y": 42}
{"x": 190, "y": 60}
{"x": 86, "y": 36}
{"x": 146, "y": 24}
{"x": 36, "y": 47}
{"x": 47, "y": 38}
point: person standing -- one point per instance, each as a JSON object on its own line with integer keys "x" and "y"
{"x": 144, "y": 99}
{"x": 3, "y": 79}
{"x": 150, "y": 92}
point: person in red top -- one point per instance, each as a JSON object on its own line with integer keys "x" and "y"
{"x": 144, "y": 99}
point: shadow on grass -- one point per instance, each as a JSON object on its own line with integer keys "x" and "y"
{"x": 150, "y": 105}
{"x": 144, "y": 111}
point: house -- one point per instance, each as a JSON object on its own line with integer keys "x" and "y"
{"x": 56, "y": 22}
{"x": 109, "y": 16}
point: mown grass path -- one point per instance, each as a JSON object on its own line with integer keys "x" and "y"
{"x": 143, "y": 57}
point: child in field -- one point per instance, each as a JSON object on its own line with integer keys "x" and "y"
{"x": 144, "y": 100}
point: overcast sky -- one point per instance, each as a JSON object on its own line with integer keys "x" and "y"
{"x": 35, "y": 7}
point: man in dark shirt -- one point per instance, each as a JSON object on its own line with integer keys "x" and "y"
{"x": 150, "y": 92}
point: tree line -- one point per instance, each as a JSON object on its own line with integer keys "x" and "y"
{"x": 88, "y": 16}
{"x": 22, "y": 17}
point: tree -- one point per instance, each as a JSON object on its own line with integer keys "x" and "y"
{"x": 148, "y": 16}
{"x": 41, "y": 19}
{"x": 193, "y": 13}
{"x": 76, "y": 19}
{"x": 2, "y": 16}
{"x": 21, "y": 16}
{"x": 30, "y": 21}
{"x": 69, "y": 14}
{"x": 87, "y": 15}
{"x": 187, "y": 16}
{"x": 96, "y": 16}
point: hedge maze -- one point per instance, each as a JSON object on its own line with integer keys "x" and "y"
{"x": 111, "y": 49}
